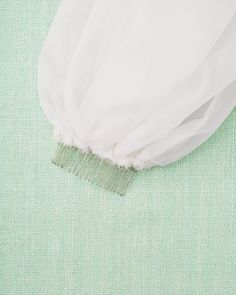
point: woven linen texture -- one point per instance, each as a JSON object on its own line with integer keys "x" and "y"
{"x": 173, "y": 233}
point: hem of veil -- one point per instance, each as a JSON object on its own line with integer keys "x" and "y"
{"x": 90, "y": 166}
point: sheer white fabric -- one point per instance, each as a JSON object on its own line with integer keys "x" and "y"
{"x": 139, "y": 82}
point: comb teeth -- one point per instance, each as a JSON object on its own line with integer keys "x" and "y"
{"x": 93, "y": 168}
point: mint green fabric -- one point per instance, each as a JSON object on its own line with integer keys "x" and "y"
{"x": 173, "y": 233}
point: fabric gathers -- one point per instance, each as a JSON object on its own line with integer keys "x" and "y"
{"x": 128, "y": 85}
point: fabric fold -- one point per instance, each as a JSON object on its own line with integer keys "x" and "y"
{"x": 139, "y": 83}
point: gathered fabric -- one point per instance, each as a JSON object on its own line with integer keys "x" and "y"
{"x": 139, "y": 82}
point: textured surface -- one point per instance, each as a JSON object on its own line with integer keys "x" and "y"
{"x": 172, "y": 234}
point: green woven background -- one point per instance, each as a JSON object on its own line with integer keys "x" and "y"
{"x": 172, "y": 234}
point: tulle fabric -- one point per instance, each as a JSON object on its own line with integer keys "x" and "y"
{"x": 139, "y": 82}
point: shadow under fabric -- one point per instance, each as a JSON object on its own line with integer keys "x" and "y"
{"x": 128, "y": 85}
